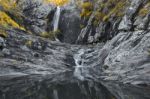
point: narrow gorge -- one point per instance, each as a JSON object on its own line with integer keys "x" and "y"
{"x": 74, "y": 49}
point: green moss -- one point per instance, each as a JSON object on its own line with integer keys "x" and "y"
{"x": 82, "y": 26}
{"x": 103, "y": 11}
{"x": 99, "y": 15}
{"x": 144, "y": 10}
{"x": 29, "y": 43}
{"x": 87, "y": 5}
{"x": 3, "y": 33}
{"x": 50, "y": 35}
{"x": 115, "y": 9}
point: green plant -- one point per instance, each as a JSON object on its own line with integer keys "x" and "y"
{"x": 145, "y": 9}
{"x": 3, "y": 33}
{"x": 6, "y": 21}
{"x": 50, "y": 35}
{"x": 82, "y": 26}
{"x": 115, "y": 8}
{"x": 10, "y": 12}
{"x": 29, "y": 43}
{"x": 57, "y": 2}
{"x": 87, "y": 8}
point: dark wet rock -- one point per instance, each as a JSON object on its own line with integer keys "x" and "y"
{"x": 2, "y": 43}
{"x": 69, "y": 25}
{"x": 85, "y": 33}
{"x": 103, "y": 32}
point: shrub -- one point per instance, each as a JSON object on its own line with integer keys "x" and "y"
{"x": 108, "y": 9}
{"x": 9, "y": 15}
{"x": 50, "y": 35}
{"x": 29, "y": 43}
{"x": 87, "y": 8}
{"x": 6, "y": 21}
{"x": 57, "y": 2}
{"x": 8, "y": 4}
{"x": 3, "y": 33}
{"x": 144, "y": 10}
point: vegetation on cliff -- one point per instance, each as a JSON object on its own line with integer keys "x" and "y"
{"x": 57, "y": 2}
{"x": 10, "y": 14}
{"x": 103, "y": 10}
{"x": 144, "y": 10}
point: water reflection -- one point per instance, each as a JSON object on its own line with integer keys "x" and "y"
{"x": 72, "y": 90}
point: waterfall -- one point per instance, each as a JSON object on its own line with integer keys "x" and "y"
{"x": 56, "y": 20}
{"x": 79, "y": 65}
{"x": 55, "y": 94}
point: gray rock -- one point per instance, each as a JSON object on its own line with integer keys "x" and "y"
{"x": 69, "y": 24}
{"x": 128, "y": 19}
{"x": 143, "y": 23}
{"x": 35, "y": 15}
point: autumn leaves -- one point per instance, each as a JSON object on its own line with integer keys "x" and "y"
{"x": 58, "y": 2}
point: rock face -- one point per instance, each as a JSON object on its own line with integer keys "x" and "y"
{"x": 134, "y": 18}
{"x": 33, "y": 67}
{"x": 69, "y": 25}
{"x": 35, "y": 15}
{"x": 38, "y": 18}
{"x": 36, "y": 68}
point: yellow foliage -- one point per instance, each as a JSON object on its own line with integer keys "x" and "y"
{"x": 50, "y": 35}
{"x": 29, "y": 43}
{"x": 87, "y": 5}
{"x": 85, "y": 13}
{"x": 87, "y": 8}
{"x": 82, "y": 26}
{"x": 3, "y": 33}
{"x": 145, "y": 10}
{"x": 6, "y": 21}
{"x": 99, "y": 15}
{"x": 116, "y": 11}
{"x": 8, "y": 4}
{"x": 57, "y": 2}
{"x": 45, "y": 34}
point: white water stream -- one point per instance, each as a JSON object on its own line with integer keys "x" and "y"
{"x": 56, "y": 20}
{"x": 79, "y": 65}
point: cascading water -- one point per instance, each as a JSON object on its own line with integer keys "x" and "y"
{"x": 79, "y": 64}
{"x": 55, "y": 94}
{"x": 56, "y": 20}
